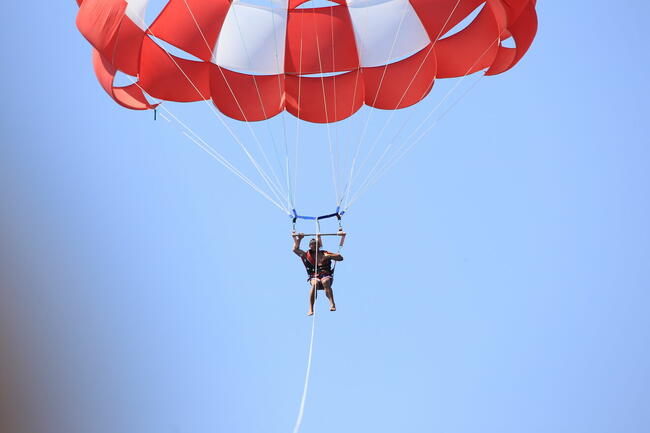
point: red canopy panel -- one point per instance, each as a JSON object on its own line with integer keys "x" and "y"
{"x": 317, "y": 41}
{"x": 130, "y": 97}
{"x": 401, "y": 84}
{"x": 171, "y": 78}
{"x": 115, "y": 36}
{"x": 320, "y": 40}
{"x": 246, "y": 97}
{"x": 474, "y": 48}
{"x": 441, "y": 16}
{"x": 99, "y": 20}
{"x": 324, "y": 99}
{"x": 191, "y": 25}
{"x": 523, "y": 31}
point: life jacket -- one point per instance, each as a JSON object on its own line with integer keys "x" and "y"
{"x": 325, "y": 268}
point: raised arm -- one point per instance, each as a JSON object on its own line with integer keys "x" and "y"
{"x": 337, "y": 257}
{"x": 297, "y": 238}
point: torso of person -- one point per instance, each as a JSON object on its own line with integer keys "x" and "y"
{"x": 324, "y": 263}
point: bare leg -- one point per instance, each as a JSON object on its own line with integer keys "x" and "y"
{"x": 312, "y": 296}
{"x": 327, "y": 285}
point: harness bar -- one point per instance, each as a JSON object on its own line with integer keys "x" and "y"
{"x": 338, "y": 214}
{"x": 322, "y": 234}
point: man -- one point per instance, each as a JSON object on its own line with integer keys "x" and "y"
{"x": 321, "y": 274}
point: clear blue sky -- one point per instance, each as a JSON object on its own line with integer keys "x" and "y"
{"x": 496, "y": 281}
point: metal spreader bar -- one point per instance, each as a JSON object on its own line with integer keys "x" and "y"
{"x": 322, "y": 234}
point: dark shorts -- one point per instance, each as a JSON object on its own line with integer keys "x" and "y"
{"x": 320, "y": 279}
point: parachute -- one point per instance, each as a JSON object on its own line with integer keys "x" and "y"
{"x": 319, "y": 61}
{"x": 266, "y": 62}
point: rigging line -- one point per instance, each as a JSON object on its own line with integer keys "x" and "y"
{"x": 421, "y": 137}
{"x": 282, "y": 115}
{"x": 431, "y": 113}
{"x": 301, "y": 411}
{"x": 219, "y": 157}
{"x": 233, "y": 94}
{"x": 404, "y": 150}
{"x": 354, "y": 97}
{"x": 231, "y": 132}
{"x": 396, "y": 160}
{"x": 451, "y": 91}
{"x": 295, "y": 171}
{"x": 327, "y": 121}
{"x": 381, "y": 82}
{"x": 336, "y": 129}
{"x": 393, "y": 113}
{"x": 196, "y": 139}
{"x": 259, "y": 95}
{"x": 225, "y": 161}
{"x": 241, "y": 176}
{"x": 274, "y": 188}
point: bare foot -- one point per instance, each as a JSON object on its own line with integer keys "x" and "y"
{"x": 310, "y": 313}
{"x": 333, "y": 308}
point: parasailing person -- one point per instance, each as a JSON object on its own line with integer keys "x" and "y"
{"x": 320, "y": 272}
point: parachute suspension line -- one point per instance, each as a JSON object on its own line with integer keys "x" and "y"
{"x": 216, "y": 155}
{"x": 259, "y": 97}
{"x": 433, "y": 125}
{"x": 290, "y": 200}
{"x": 403, "y": 150}
{"x": 196, "y": 139}
{"x": 381, "y": 82}
{"x": 346, "y": 188}
{"x": 394, "y": 112}
{"x": 295, "y": 171}
{"x": 327, "y": 120}
{"x": 405, "y": 146}
{"x": 449, "y": 93}
{"x": 233, "y": 135}
{"x": 336, "y": 157}
{"x": 275, "y": 189}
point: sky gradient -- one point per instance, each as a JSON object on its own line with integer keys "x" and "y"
{"x": 496, "y": 281}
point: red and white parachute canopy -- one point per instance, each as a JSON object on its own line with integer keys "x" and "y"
{"x": 320, "y": 64}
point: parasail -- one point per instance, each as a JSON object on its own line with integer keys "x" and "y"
{"x": 319, "y": 61}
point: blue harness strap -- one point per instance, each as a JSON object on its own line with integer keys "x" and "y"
{"x": 338, "y": 214}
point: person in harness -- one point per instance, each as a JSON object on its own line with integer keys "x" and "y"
{"x": 320, "y": 275}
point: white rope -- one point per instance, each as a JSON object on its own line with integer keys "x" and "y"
{"x": 337, "y": 166}
{"x": 290, "y": 198}
{"x": 212, "y": 152}
{"x": 327, "y": 120}
{"x": 295, "y": 170}
{"x": 196, "y": 139}
{"x": 381, "y": 81}
{"x": 403, "y": 150}
{"x": 301, "y": 411}
{"x": 275, "y": 189}
{"x": 259, "y": 94}
{"x": 392, "y": 115}
{"x": 404, "y": 144}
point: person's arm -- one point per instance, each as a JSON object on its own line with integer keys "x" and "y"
{"x": 337, "y": 257}
{"x": 297, "y": 238}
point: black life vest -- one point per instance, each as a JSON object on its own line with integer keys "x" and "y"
{"x": 325, "y": 268}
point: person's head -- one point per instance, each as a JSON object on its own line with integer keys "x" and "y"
{"x": 314, "y": 244}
